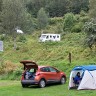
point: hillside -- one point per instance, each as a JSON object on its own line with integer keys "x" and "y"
{"x": 50, "y": 53}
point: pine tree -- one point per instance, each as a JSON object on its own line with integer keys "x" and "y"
{"x": 42, "y": 19}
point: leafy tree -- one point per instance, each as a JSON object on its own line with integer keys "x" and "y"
{"x": 69, "y": 20}
{"x": 90, "y": 29}
{"x": 92, "y": 11}
{"x": 33, "y": 6}
{"x": 78, "y": 5}
{"x": 57, "y": 8}
{"x": 42, "y": 18}
{"x": 0, "y": 5}
{"x": 14, "y": 15}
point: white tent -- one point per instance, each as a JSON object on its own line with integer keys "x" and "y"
{"x": 88, "y": 74}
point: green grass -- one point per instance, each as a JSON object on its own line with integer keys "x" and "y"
{"x": 50, "y": 53}
{"x": 13, "y": 88}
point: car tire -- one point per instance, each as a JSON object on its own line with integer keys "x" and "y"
{"x": 62, "y": 80}
{"x": 42, "y": 83}
{"x": 24, "y": 85}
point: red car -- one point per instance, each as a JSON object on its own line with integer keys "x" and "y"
{"x": 40, "y": 75}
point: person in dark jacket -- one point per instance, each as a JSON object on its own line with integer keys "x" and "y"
{"x": 77, "y": 78}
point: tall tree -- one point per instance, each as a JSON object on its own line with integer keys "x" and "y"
{"x": 0, "y": 5}
{"x": 78, "y": 5}
{"x": 57, "y": 8}
{"x": 13, "y": 15}
{"x": 34, "y": 6}
{"x": 42, "y": 18}
{"x": 69, "y": 20}
{"x": 92, "y": 11}
{"x": 90, "y": 27}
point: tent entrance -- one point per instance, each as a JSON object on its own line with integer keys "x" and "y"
{"x": 72, "y": 85}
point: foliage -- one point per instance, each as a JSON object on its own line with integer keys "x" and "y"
{"x": 69, "y": 20}
{"x": 55, "y": 20}
{"x": 90, "y": 29}
{"x": 14, "y": 15}
{"x": 78, "y": 5}
{"x": 42, "y": 18}
{"x": 57, "y": 8}
{"x": 77, "y": 27}
{"x": 92, "y": 11}
{"x": 22, "y": 38}
{"x": 84, "y": 19}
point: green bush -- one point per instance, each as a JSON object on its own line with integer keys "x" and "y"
{"x": 55, "y": 20}
{"x": 2, "y": 37}
{"x": 84, "y": 19}
{"x": 69, "y": 21}
{"x": 77, "y": 27}
{"x": 22, "y": 38}
{"x": 15, "y": 75}
{"x": 83, "y": 13}
{"x": 77, "y": 17}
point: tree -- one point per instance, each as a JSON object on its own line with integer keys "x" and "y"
{"x": 92, "y": 11}
{"x": 14, "y": 15}
{"x": 57, "y": 8}
{"x": 69, "y": 20}
{"x": 0, "y": 5}
{"x": 34, "y": 6}
{"x": 78, "y": 5}
{"x": 42, "y": 18}
{"x": 90, "y": 29}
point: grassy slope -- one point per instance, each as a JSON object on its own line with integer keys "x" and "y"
{"x": 51, "y": 53}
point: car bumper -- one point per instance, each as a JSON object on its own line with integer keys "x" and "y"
{"x": 31, "y": 82}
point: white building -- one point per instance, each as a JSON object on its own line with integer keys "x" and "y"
{"x": 49, "y": 37}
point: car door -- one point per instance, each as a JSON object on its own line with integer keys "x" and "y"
{"x": 45, "y": 71}
{"x": 54, "y": 74}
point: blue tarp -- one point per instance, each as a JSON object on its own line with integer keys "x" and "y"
{"x": 85, "y": 67}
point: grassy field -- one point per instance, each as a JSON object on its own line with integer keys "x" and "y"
{"x": 48, "y": 53}
{"x": 13, "y": 88}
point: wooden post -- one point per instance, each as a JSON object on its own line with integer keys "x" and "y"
{"x": 70, "y": 57}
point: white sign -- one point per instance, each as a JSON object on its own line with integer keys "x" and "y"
{"x": 1, "y": 45}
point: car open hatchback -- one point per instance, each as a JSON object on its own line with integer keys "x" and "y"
{"x": 40, "y": 75}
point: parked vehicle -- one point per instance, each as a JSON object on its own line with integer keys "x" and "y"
{"x": 40, "y": 75}
{"x": 49, "y": 37}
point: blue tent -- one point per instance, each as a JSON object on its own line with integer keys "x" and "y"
{"x": 85, "y": 67}
{"x": 88, "y": 74}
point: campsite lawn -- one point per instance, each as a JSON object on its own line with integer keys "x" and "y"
{"x": 13, "y": 88}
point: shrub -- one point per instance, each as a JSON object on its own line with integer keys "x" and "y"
{"x": 77, "y": 27}
{"x": 22, "y": 39}
{"x": 84, "y": 19}
{"x": 2, "y": 37}
{"x": 11, "y": 71}
{"x": 69, "y": 20}
{"x": 83, "y": 13}
{"x": 77, "y": 17}
{"x": 55, "y": 20}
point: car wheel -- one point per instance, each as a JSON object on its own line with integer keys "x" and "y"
{"x": 42, "y": 83}
{"x": 24, "y": 85}
{"x": 62, "y": 80}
